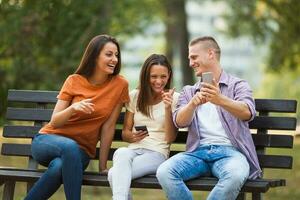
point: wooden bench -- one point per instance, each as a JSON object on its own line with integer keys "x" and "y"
{"x": 36, "y": 108}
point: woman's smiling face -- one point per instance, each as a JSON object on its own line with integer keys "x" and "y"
{"x": 159, "y": 76}
{"x": 108, "y": 58}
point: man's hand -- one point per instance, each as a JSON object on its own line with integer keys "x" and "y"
{"x": 211, "y": 92}
{"x": 198, "y": 99}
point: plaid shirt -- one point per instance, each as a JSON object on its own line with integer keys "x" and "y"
{"x": 237, "y": 130}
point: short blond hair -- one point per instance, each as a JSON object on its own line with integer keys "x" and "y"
{"x": 208, "y": 42}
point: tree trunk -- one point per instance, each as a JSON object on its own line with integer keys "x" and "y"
{"x": 177, "y": 37}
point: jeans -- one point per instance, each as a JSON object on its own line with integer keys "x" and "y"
{"x": 129, "y": 164}
{"x": 66, "y": 163}
{"x": 224, "y": 162}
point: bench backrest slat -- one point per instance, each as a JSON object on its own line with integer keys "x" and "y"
{"x": 274, "y": 141}
{"x": 273, "y": 123}
{"x": 275, "y": 161}
{"x": 32, "y": 96}
{"x": 259, "y": 122}
{"x": 269, "y": 140}
{"x": 15, "y": 131}
{"x": 29, "y": 114}
{"x": 276, "y": 105}
{"x": 266, "y": 161}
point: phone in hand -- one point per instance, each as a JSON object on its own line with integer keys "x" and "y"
{"x": 207, "y": 77}
{"x": 141, "y": 128}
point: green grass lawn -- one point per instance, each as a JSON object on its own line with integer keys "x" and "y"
{"x": 291, "y": 192}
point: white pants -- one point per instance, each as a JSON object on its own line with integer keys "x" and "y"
{"x": 129, "y": 164}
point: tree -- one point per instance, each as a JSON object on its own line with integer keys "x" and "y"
{"x": 275, "y": 23}
{"x": 177, "y": 37}
{"x": 42, "y": 41}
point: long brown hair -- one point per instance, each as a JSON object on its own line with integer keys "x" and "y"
{"x": 145, "y": 92}
{"x": 88, "y": 61}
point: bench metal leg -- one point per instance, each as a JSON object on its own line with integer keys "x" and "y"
{"x": 9, "y": 189}
{"x": 241, "y": 196}
{"x": 29, "y": 186}
{"x": 257, "y": 196}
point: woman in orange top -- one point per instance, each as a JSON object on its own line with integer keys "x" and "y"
{"x": 87, "y": 109}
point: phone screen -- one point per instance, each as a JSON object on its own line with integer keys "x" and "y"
{"x": 207, "y": 77}
{"x": 141, "y": 128}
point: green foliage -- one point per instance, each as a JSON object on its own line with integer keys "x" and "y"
{"x": 283, "y": 85}
{"x": 276, "y": 22}
{"x": 42, "y": 42}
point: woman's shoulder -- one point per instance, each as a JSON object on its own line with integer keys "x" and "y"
{"x": 133, "y": 94}
{"x": 121, "y": 79}
{"x": 75, "y": 77}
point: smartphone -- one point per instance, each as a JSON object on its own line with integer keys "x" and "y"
{"x": 141, "y": 128}
{"x": 207, "y": 77}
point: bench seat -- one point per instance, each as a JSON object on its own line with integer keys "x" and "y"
{"x": 150, "y": 181}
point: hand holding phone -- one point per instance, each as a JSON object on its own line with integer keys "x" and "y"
{"x": 141, "y": 128}
{"x": 207, "y": 77}
{"x": 141, "y": 133}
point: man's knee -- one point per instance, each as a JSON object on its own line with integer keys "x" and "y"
{"x": 236, "y": 179}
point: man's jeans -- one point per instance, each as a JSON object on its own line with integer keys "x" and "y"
{"x": 224, "y": 162}
{"x": 66, "y": 163}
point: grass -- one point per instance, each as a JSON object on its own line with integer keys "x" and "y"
{"x": 291, "y": 191}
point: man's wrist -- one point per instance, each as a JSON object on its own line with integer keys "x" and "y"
{"x": 191, "y": 106}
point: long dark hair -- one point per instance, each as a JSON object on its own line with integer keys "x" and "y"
{"x": 88, "y": 61}
{"x": 145, "y": 92}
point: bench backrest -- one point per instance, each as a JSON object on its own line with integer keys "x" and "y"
{"x": 35, "y": 107}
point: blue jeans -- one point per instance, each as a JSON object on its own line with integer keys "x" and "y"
{"x": 224, "y": 162}
{"x": 66, "y": 163}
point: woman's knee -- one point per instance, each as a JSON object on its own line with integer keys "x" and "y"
{"x": 70, "y": 146}
{"x": 164, "y": 172}
{"x": 55, "y": 168}
{"x": 123, "y": 154}
{"x": 109, "y": 175}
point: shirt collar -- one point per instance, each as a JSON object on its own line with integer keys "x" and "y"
{"x": 224, "y": 78}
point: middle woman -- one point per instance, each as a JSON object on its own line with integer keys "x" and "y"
{"x": 150, "y": 105}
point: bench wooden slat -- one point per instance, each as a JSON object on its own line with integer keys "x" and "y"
{"x": 275, "y": 161}
{"x": 34, "y": 96}
{"x": 269, "y": 140}
{"x": 17, "y": 131}
{"x": 14, "y": 131}
{"x": 260, "y": 122}
{"x": 149, "y": 181}
{"x": 266, "y": 161}
{"x": 276, "y": 105}
{"x": 12, "y": 149}
{"x": 121, "y": 118}
{"x": 29, "y": 114}
{"x": 273, "y": 123}
{"x": 274, "y": 141}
